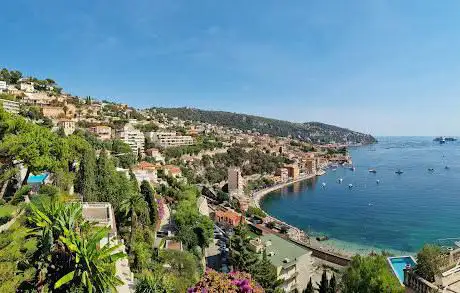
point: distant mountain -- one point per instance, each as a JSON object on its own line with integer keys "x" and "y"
{"x": 309, "y": 131}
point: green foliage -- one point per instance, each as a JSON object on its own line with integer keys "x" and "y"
{"x": 149, "y": 127}
{"x": 154, "y": 281}
{"x": 181, "y": 269}
{"x": 368, "y": 275}
{"x": 19, "y": 195}
{"x": 266, "y": 275}
{"x": 303, "y": 131}
{"x": 256, "y": 211}
{"x": 6, "y": 213}
{"x": 11, "y": 77}
{"x": 149, "y": 196}
{"x": 86, "y": 176}
{"x": 429, "y": 261}
{"x": 124, "y": 154}
{"x": 241, "y": 257}
{"x": 333, "y": 285}
{"x": 323, "y": 285}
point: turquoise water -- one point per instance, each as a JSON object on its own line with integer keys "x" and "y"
{"x": 34, "y": 179}
{"x": 401, "y": 213}
{"x": 399, "y": 264}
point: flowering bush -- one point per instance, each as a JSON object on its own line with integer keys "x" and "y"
{"x": 234, "y": 282}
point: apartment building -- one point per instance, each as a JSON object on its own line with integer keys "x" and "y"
{"x": 169, "y": 139}
{"x": 294, "y": 264}
{"x": 145, "y": 171}
{"x": 103, "y": 132}
{"x": 133, "y": 137}
{"x": 10, "y": 106}
{"x": 283, "y": 173}
{"x": 293, "y": 171}
{"x": 68, "y": 126}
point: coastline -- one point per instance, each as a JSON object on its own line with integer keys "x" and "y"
{"x": 331, "y": 246}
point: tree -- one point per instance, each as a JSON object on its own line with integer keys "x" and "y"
{"x": 266, "y": 275}
{"x": 241, "y": 257}
{"x": 104, "y": 179}
{"x": 149, "y": 196}
{"x": 133, "y": 205}
{"x": 429, "y": 262}
{"x": 153, "y": 281}
{"x": 309, "y": 288}
{"x": 94, "y": 266}
{"x": 323, "y": 286}
{"x": 333, "y": 284}
{"x": 86, "y": 177}
{"x": 180, "y": 267}
{"x": 368, "y": 275}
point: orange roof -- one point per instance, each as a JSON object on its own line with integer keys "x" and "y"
{"x": 144, "y": 165}
{"x": 234, "y": 216}
{"x": 173, "y": 169}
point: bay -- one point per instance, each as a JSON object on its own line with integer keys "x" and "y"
{"x": 400, "y": 213}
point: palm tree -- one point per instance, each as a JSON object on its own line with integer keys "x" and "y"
{"x": 94, "y": 267}
{"x": 133, "y": 205}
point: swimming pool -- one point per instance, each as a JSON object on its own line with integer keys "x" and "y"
{"x": 37, "y": 179}
{"x": 399, "y": 263}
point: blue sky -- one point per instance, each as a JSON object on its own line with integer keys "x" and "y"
{"x": 382, "y": 67}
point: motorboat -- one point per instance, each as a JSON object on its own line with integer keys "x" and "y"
{"x": 350, "y": 185}
{"x": 446, "y": 167}
{"x": 372, "y": 171}
{"x": 377, "y": 181}
{"x": 323, "y": 184}
{"x": 340, "y": 180}
{"x": 352, "y": 168}
{"x": 399, "y": 172}
{"x": 430, "y": 169}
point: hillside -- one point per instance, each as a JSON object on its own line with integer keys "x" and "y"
{"x": 314, "y": 131}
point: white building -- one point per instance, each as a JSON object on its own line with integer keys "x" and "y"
{"x": 3, "y": 86}
{"x": 169, "y": 139}
{"x": 294, "y": 264}
{"x": 27, "y": 87}
{"x": 10, "y": 106}
{"x": 133, "y": 137}
{"x": 235, "y": 182}
{"x": 68, "y": 126}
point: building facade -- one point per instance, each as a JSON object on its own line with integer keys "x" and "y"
{"x": 3, "y": 86}
{"x": 133, "y": 137}
{"x": 10, "y": 106}
{"x": 294, "y": 264}
{"x": 169, "y": 139}
{"x": 103, "y": 132}
{"x": 235, "y": 182}
{"x": 293, "y": 171}
{"x": 68, "y": 126}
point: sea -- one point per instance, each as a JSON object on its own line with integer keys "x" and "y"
{"x": 399, "y": 213}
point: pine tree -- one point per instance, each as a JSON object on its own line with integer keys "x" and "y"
{"x": 241, "y": 257}
{"x": 149, "y": 196}
{"x": 265, "y": 274}
{"x": 309, "y": 288}
{"x": 86, "y": 177}
{"x": 323, "y": 286}
{"x": 332, "y": 284}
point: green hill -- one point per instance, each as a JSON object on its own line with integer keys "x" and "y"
{"x": 309, "y": 131}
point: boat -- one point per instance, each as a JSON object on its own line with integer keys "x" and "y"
{"x": 399, "y": 172}
{"x": 352, "y": 168}
{"x": 430, "y": 170}
{"x": 322, "y": 238}
{"x": 450, "y": 139}
{"x": 440, "y": 139}
{"x": 324, "y": 184}
{"x": 350, "y": 185}
{"x": 446, "y": 167}
{"x": 340, "y": 180}
{"x": 372, "y": 171}
{"x": 377, "y": 181}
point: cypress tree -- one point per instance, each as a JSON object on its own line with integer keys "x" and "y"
{"x": 86, "y": 177}
{"x": 309, "y": 288}
{"x": 323, "y": 286}
{"x": 105, "y": 177}
{"x": 332, "y": 284}
{"x": 149, "y": 196}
